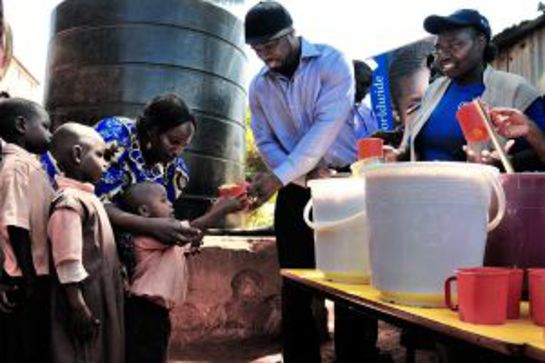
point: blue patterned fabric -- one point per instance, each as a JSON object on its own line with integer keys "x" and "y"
{"x": 127, "y": 167}
{"x": 127, "y": 164}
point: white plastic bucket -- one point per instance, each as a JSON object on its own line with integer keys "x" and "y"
{"x": 340, "y": 228}
{"x": 426, "y": 220}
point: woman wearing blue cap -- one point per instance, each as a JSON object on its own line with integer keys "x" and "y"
{"x": 463, "y": 52}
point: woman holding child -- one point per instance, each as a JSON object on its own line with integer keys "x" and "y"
{"x": 145, "y": 176}
{"x": 148, "y": 150}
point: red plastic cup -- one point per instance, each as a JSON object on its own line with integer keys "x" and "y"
{"x": 472, "y": 123}
{"x": 536, "y": 282}
{"x": 482, "y": 295}
{"x": 370, "y": 147}
{"x": 233, "y": 190}
{"x": 515, "y": 291}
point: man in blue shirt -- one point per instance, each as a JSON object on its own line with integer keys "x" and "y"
{"x": 301, "y": 104}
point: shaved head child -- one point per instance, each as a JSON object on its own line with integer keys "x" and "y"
{"x": 87, "y": 293}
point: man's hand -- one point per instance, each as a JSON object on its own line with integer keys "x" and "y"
{"x": 320, "y": 173}
{"x": 263, "y": 188}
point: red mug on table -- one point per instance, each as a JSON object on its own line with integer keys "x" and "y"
{"x": 514, "y": 293}
{"x": 482, "y": 294}
{"x": 536, "y": 281}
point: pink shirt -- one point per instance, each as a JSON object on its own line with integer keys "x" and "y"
{"x": 160, "y": 273}
{"x": 66, "y": 234}
{"x": 25, "y": 198}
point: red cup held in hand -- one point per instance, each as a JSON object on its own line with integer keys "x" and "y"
{"x": 233, "y": 189}
{"x": 482, "y": 294}
{"x": 471, "y": 121}
{"x": 370, "y": 147}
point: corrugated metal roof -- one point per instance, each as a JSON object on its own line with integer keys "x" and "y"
{"x": 515, "y": 33}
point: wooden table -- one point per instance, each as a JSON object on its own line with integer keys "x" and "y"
{"x": 517, "y": 338}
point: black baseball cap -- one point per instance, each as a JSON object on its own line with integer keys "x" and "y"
{"x": 436, "y": 24}
{"x": 266, "y": 21}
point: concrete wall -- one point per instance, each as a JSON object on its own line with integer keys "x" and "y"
{"x": 234, "y": 293}
{"x": 19, "y": 82}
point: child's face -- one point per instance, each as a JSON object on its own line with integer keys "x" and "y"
{"x": 158, "y": 204}
{"x": 93, "y": 162}
{"x": 38, "y": 136}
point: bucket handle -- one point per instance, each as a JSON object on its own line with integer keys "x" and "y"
{"x": 500, "y": 197}
{"x": 448, "y": 293}
{"x": 327, "y": 225}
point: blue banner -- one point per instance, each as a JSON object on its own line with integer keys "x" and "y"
{"x": 380, "y": 93}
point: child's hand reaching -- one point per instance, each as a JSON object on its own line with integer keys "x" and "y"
{"x": 218, "y": 210}
{"x": 227, "y": 205}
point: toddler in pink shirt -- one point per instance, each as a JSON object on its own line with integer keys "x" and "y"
{"x": 159, "y": 281}
{"x": 160, "y": 274}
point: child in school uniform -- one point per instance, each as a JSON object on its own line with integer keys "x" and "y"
{"x": 6, "y": 306}
{"x": 160, "y": 277}
{"x": 87, "y": 293}
{"x": 25, "y": 197}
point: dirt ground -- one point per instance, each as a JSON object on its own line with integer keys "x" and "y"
{"x": 267, "y": 351}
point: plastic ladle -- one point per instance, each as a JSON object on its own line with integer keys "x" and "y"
{"x": 488, "y": 124}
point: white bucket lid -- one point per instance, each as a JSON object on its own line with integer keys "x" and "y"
{"x": 431, "y": 169}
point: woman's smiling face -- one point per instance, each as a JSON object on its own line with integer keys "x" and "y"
{"x": 458, "y": 51}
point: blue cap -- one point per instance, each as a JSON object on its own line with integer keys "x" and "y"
{"x": 436, "y": 24}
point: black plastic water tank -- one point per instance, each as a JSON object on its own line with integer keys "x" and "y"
{"x": 109, "y": 57}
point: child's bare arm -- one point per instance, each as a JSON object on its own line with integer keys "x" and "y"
{"x": 84, "y": 323}
{"x": 220, "y": 209}
{"x": 21, "y": 244}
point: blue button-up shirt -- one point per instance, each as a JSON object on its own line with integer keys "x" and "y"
{"x": 305, "y": 121}
{"x": 365, "y": 122}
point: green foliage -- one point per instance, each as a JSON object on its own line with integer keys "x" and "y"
{"x": 254, "y": 163}
{"x": 262, "y": 217}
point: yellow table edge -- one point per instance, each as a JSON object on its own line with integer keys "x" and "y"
{"x": 521, "y": 332}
